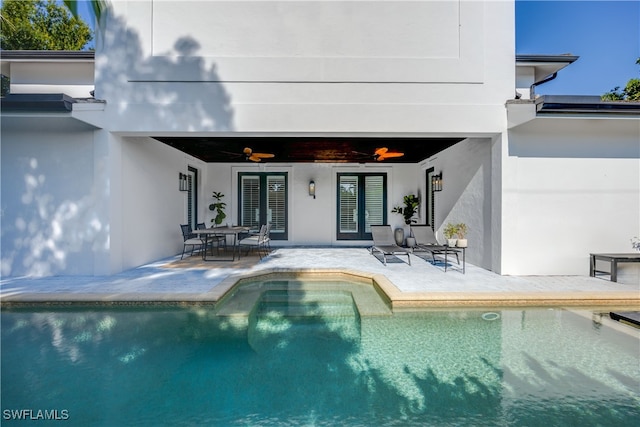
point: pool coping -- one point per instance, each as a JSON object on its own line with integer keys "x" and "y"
{"x": 396, "y": 298}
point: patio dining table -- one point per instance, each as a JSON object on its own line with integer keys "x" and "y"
{"x": 221, "y": 231}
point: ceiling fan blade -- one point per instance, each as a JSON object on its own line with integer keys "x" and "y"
{"x": 263, "y": 155}
{"x": 231, "y": 154}
{"x": 256, "y": 157}
{"x": 389, "y": 155}
{"x": 393, "y": 154}
{"x": 384, "y": 153}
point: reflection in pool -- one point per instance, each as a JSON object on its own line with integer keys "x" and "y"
{"x": 326, "y": 353}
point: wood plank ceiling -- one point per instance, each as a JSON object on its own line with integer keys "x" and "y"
{"x": 308, "y": 149}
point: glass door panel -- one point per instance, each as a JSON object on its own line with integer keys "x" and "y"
{"x": 263, "y": 200}
{"x": 348, "y": 204}
{"x": 362, "y": 201}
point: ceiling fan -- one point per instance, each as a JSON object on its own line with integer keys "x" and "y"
{"x": 250, "y": 155}
{"x": 381, "y": 154}
{"x": 256, "y": 157}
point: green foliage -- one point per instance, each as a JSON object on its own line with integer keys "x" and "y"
{"x": 613, "y": 95}
{"x": 455, "y": 230}
{"x": 41, "y": 25}
{"x": 450, "y": 231}
{"x": 218, "y": 207}
{"x": 98, "y": 7}
{"x": 631, "y": 91}
{"x": 4, "y": 85}
{"x": 411, "y": 203}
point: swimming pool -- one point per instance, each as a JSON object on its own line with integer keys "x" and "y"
{"x": 286, "y": 353}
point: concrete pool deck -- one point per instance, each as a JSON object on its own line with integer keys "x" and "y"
{"x": 417, "y": 285}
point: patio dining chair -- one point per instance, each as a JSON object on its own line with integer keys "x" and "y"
{"x": 258, "y": 241}
{"x": 189, "y": 239}
{"x": 267, "y": 238}
{"x": 385, "y": 243}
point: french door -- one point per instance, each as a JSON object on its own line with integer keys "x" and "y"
{"x": 262, "y": 199}
{"x": 362, "y": 202}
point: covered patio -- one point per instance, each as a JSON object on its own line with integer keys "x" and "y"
{"x": 421, "y": 284}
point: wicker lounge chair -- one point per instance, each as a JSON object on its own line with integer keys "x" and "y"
{"x": 384, "y": 242}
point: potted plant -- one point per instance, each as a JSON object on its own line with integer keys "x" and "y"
{"x": 461, "y": 233}
{"x": 411, "y": 203}
{"x": 450, "y": 232}
{"x": 218, "y": 207}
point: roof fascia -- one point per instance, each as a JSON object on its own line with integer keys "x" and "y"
{"x": 47, "y": 56}
{"x": 545, "y": 65}
{"x": 590, "y": 106}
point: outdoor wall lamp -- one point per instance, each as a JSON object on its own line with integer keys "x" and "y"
{"x": 436, "y": 182}
{"x": 312, "y": 189}
{"x": 183, "y": 183}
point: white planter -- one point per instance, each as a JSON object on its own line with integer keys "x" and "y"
{"x": 452, "y": 242}
{"x": 461, "y": 243}
{"x": 411, "y": 242}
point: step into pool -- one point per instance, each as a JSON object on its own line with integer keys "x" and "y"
{"x": 296, "y": 317}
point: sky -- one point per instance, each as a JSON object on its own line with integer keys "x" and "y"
{"x": 605, "y": 34}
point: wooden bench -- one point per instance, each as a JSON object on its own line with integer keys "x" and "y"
{"x": 613, "y": 260}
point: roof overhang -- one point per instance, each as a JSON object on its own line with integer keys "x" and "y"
{"x": 561, "y": 106}
{"x": 7, "y": 57}
{"x": 53, "y": 102}
{"x": 545, "y": 65}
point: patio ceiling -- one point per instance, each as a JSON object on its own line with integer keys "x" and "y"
{"x": 308, "y": 149}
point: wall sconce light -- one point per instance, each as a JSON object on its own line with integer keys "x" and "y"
{"x": 312, "y": 189}
{"x": 183, "y": 183}
{"x": 436, "y": 182}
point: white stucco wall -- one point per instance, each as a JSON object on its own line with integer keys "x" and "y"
{"x": 466, "y": 196}
{"x": 311, "y": 221}
{"x": 51, "y": 223}
{"x": 317, "y": 66}
{"x": 80, "y": 201}
{"x": 571, "y": 187}
{"x": 152, "y": 207}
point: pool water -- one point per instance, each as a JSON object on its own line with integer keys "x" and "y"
{"x": 286, "y": 353}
